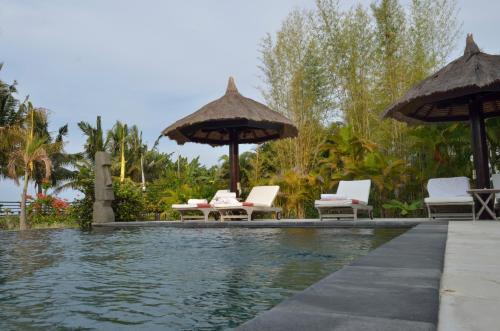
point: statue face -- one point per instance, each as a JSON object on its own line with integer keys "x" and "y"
{"x": 103, "y": 183}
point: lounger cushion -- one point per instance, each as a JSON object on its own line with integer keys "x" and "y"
{"x": 448, "y": 187}
{"x": 183, "y": 206}
{"x": 239, "y": 204}
{"x": 354, "y": 189}
{"x": 339, "y": 203}
{"x": 495, "y": 179}
{"x": 330, "y": 196}
{"x": 263, "y": 195}
{"x": 446, "y": 200}
{"x": 196, "y": 201}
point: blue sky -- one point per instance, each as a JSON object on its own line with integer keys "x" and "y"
{"x": 152, "y": 62}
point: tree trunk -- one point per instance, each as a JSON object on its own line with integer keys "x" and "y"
{"x": 23, "y": 224}
{"x": 143, "y": 178}
{"x": 122, "y": 164}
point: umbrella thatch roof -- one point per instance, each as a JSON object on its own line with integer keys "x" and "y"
{"x": 445, "y": 95}
{"x": 250, "y": 120}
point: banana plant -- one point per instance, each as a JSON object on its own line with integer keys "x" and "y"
{"x": 403, "y": 208}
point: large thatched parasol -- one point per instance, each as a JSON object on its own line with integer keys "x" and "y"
{"x": 467, "y": 89}
{"x": 231, "y": 120}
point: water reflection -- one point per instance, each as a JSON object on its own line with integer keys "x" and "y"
{"x": 159, "y": 279}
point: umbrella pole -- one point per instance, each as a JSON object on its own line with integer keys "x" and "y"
{"x": 479, "y": 146}
{"x": 234, "y": 162}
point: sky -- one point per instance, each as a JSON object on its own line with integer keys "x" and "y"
{"x": 151, "y": 63}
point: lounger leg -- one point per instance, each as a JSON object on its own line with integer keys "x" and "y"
{"x": 206, "y": 213}
{"x": 355, "y": 211}
{"x": 249, "y": 213}
{"x": 182, "y": 218}
{"x": 429, "y": 212}
{"x": 320, "y": 214}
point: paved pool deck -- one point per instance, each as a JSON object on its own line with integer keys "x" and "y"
{"x": 284, "y": 223}
{"x": 470, "y": 286}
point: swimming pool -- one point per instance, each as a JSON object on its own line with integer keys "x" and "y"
{"x": 164, "y": 278}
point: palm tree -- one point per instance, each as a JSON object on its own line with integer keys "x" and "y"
{"x": 29, "y": 149}
{"x": 136, "y": 151}
{"x": 95, "y": 138}
{"x": 37, "y": 118}
{"x": 10, "y": 115}
{"x": 117, "y": 143}
{"x": 60, "y": 161}
{"x": 9, "y": 111}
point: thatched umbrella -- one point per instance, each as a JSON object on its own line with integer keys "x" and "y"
{"x": 231, "y": 120}
{"x": 467, "y": 89}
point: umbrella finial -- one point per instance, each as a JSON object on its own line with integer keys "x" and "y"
{"x": 231, "y": 86}
{"x": 470, "y": 46}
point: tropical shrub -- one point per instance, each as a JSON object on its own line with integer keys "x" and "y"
{"x": 48, "y": 209}
{"x": 129, "y": 201}
{"x": 81, "y": 211}
{"x": 10, "y": 222}
{"x": 402, "y": 208}
{"x": 81, "y": 208}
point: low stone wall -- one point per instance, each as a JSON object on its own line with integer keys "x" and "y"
{"x": 394, "y": 287}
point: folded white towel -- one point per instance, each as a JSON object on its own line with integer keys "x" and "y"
{"x": 225, "y": 205}
{"x": 196, "y": 201}
{"x": 227, "y": 201}
{"x": 333, "y": 196}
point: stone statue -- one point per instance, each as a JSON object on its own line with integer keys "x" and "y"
{"x": 103, "y": 186}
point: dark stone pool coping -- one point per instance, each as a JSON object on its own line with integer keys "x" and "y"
{"x": 394, "y": 287}
{"x": 307, "y": 223}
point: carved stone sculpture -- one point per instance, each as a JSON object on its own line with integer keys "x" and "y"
{"x": 103, "y": 186}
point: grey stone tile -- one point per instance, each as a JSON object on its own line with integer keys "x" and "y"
{"x": 376, "y": 276}
{"x": 396, "y": 302}
{"x": 403, "y": 260}
{"x": 312, "y": 321}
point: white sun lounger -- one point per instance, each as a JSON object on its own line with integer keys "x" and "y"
{"x": 448, "y": 198}
{"x": 352, "y": 196}
{"x": 186, "y": 210}
{"x": 495, "y": 179}
{"x": 259, "y": 200}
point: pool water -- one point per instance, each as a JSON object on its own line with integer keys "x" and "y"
{"x": 164, "y": 278}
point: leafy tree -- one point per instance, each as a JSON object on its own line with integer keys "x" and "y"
{"x": 95, "y": 138}
{"x": 28, "y": 150}
{"x": 117, "y": 141}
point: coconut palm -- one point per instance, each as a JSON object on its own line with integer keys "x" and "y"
{"x": 116, "y": 140}
{"x": 39, "y": 126}
{"x": 10, "y": 115}
{"x": 136, "y": 151}
{"x": 62, "y": 162}
{"x": 29, "y": 150}
{"x": 95, "y": 138}
{"x": 9, "y": 111}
